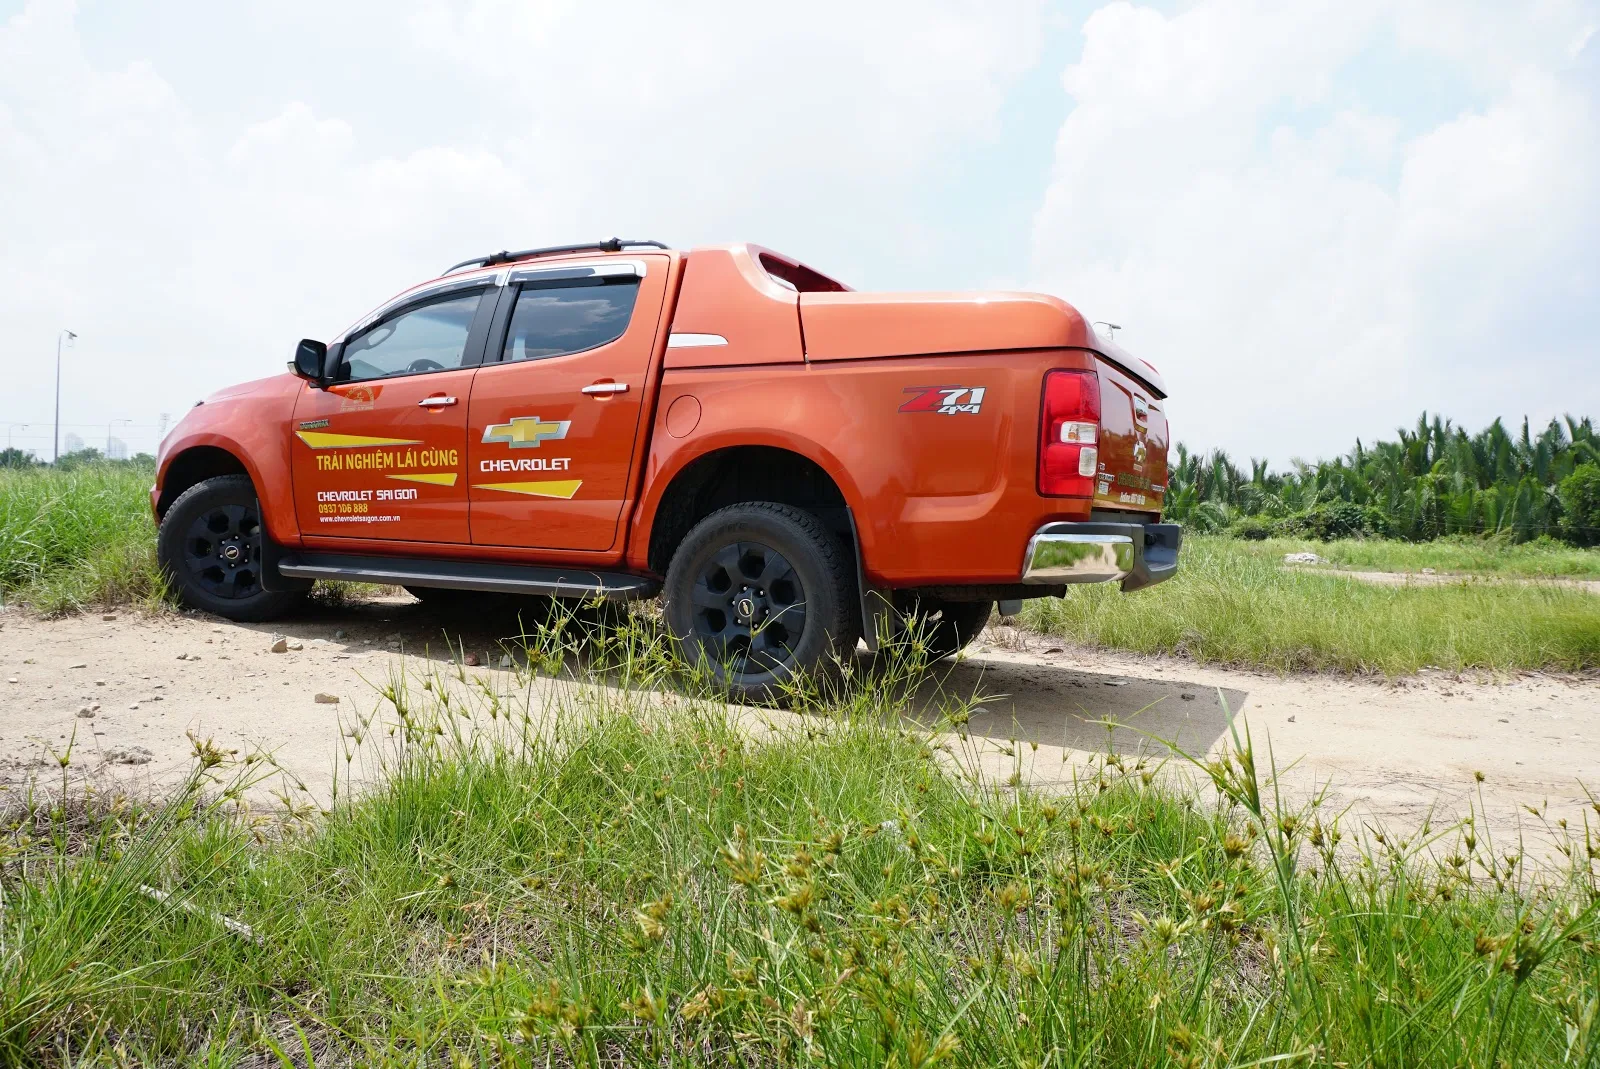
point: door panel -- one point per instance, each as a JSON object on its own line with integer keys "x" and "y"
{"x": 382, "y": 453}
{"x": 552, "y": 435}
{"x": 371, "y": 461}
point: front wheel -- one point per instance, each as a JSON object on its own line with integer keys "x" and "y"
{"x": 209, "y": 546}
{"x": 761, "y": 593}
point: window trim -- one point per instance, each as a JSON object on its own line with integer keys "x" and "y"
{"x": 500, "y": 331}
{"x": 500, "y": 277}
{"x": 472, "y": 352}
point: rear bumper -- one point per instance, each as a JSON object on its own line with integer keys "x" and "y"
{"x": 1136, "y": 554}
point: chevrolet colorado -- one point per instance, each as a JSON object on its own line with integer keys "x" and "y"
{"x": 790, "y": 464}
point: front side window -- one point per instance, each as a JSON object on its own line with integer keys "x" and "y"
{"x": 569, "y": 317}
{"x": 430, "y": 338}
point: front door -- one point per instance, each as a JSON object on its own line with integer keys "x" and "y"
{"x": 555, "y": 410}
{"x": 381, "y": 453}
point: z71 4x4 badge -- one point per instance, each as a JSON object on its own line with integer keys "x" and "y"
{"x": 945, "y": 400}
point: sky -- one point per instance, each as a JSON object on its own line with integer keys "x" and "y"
{"x": 1318, "y": 219}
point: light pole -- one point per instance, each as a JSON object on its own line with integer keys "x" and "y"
{"x": 1111, "y": 328}
{"x": 113, "y": 423}
{"x": 69, "y": 337}
{"x": 9, "y": 428}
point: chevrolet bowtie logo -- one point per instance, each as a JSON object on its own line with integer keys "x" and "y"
{"x": 525, "y": 432}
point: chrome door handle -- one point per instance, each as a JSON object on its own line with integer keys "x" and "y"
{"x": 605, "y": 388}
{"x": 429, "y": 402}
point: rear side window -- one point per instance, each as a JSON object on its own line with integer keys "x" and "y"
{"x": 432, "y": 337}
{"x": 569, "y": 316}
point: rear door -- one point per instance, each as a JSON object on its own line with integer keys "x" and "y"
{"x": 555, "y": 419}
{"x": 381, "y": 453}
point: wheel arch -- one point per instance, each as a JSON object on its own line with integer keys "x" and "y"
{"x": 731, "y": 473}
{"x": 195, "y": 464}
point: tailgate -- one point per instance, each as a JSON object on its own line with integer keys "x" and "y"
{"x": 1133, "y": 443}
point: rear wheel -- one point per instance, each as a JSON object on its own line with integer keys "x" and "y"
{"x": 761, "y": 593}
{"x": 945, "y": 627}
{"x": 209, "y": 546}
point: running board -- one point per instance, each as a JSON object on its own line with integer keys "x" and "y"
{"x": 468, "y": 575}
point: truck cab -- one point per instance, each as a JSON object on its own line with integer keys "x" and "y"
{"x": 791, "y": 464}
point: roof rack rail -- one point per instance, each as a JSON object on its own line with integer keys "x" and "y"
{"x": 503, "y": 257}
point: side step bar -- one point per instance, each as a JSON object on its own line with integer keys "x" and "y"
{"x": 467, "y": 575}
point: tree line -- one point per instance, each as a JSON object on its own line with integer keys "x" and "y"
{"x": 1435, "y": 480}
{"x": 16, "y": 458}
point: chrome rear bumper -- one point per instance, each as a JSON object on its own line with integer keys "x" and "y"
{"x": 1136, "y": 554}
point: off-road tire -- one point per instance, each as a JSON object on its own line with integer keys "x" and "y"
{"x": 945, "y": 627}
{"x": 207, "y": 522}
{"x": 804, "y": 566}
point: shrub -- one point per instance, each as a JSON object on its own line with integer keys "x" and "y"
{"x": 1336, "y": 519}
{"x": 1290, "y": 526}
{"x": 1251, "y": 529}
{"x": 1379, "y": 523}
{"x": 1580, "y": 505}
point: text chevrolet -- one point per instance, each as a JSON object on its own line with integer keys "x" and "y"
{"x": 791, "y": 465}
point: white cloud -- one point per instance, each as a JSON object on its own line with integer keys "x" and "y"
{"x": 1304, "y": 273}
{"x": 191, "y": 236}
{"x": 1305, "y": 261}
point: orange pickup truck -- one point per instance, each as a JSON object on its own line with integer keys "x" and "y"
{"x": 792, "y": 465}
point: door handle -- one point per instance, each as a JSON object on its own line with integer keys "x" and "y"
{"x": 429, "y": 402}
{"x": 605, "y": 389}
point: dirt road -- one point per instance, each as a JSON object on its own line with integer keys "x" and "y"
{"x": 125, "y": 691}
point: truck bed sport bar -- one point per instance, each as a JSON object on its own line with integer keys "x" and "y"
{"x": 503, "y": 257}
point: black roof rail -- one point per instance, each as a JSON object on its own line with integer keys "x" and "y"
{"x": 503, "y": 257}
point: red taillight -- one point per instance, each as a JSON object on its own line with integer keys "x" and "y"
{"x": 1069, "y": 434}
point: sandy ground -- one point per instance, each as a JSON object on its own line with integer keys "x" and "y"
{"x": 127, "y": 691}
{"x": 1590, "y": 586}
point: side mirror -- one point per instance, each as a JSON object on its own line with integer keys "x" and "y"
{"x": 310, "y": 360}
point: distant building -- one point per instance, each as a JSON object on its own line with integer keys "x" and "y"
{"x": 71, "y": 443}
{"x": 116, "y": 449}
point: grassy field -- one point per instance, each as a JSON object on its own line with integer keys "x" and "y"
{"x": 72, "y": 539}
{"x": 1468, "y": 556}
{"x": 1234, "y": 604}
{"x": 632, "y": 881}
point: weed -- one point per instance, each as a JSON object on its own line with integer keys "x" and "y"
{"x": 628, "y": 870}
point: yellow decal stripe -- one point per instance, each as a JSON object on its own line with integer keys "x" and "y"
{"x": 324, "y": 440}
{"x": 437, "y": 478}
{"x": 562, "y": 488}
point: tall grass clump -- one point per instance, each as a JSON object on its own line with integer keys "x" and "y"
{"x": 76, "y": 537}
{"x": 608, "y": 869}
{"x": 1232, "y": 606}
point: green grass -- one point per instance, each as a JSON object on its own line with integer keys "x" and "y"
{"x": 76, "y": 538}
{"x": 1543, "y": 557}
{"x": 1233, "y": 605}
{"x": 630, "y": 880}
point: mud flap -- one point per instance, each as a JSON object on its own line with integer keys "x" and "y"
{"x": 272, "y": 580}
{"x": 879, "y": 622}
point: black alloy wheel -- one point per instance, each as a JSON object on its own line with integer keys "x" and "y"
{"x": 210, "y": 545}
{"x": 222, "y": 551}
{"x": 760, "y": 593}
{"x": 749, "y": 607}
